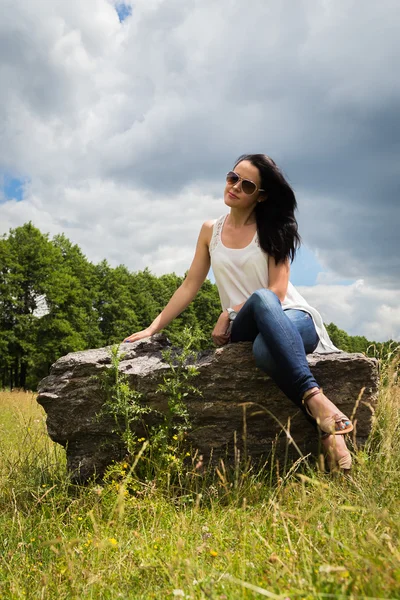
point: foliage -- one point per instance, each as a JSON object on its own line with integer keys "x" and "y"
{"x": 33, "y": 268}
{"x": 121, "y": 401}
{"x": 358, "y": 343}
{"x": 87, "y": 305}
{"x": 162, "y": 452}
{"x": 239, "y": 535}
{"x": 167, "y": 440}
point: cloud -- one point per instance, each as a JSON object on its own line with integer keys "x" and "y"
{"x": 137, "y": 228}
{"x": 123, "y": 130}
{"x": 359, "y": 309}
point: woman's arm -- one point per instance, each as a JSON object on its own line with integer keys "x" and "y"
{"x": 278, "y": 277}
{"x": 187, "y": 290}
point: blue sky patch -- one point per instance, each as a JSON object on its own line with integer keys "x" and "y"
{"x": 305, "y": 268}
{"x": 124, "y": 10}
{"x": 13, "y": 188}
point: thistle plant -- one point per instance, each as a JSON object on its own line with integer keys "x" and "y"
{"x": 122, "y": 402}
{"x": 168, "y": 438}
{"x": 164, "y": 448}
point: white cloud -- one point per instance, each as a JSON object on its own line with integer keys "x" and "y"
{"x": 359, "y": 309}
{"x": 137, "y": 228}
{"x": 124, "y": 131}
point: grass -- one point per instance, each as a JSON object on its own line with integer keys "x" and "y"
{"x": 303, "y": 534}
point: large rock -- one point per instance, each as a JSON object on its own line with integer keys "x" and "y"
{"x": 228, "y": 380}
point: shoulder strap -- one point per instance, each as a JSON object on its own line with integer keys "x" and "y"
{"x": 216, "y": 233}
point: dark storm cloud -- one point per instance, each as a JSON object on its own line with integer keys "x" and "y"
{"x": 171, "y": 97}
{"x": 326, "y": 108}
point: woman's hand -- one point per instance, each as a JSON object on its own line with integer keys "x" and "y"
{"x": 220, "y": 335}
{"x": 140, "y": 335}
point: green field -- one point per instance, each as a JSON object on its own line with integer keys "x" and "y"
{"x": 303, "y": 534}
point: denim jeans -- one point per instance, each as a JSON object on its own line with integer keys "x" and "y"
{"x": 281, "y": 339}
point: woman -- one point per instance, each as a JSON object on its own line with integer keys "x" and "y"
{"x": 250, "y": 250}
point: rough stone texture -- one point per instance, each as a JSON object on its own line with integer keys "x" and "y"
{"x": 228, "y": 378}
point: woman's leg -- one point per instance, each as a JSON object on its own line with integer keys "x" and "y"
{"x": 276, "y": 327}
{"x": 263, "y": 356}
{"x": 263, "y": 314}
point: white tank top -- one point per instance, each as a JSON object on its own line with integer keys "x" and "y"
{"x": 240, "y": 272}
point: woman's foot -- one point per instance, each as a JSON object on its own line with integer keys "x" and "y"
{"x": 336, "y": 452}
{"x": 329, "y": 418}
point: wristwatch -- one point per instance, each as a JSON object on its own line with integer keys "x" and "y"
{"x": 231, "y": 313}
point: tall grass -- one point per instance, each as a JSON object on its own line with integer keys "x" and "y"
{"x": 224, "y": 535}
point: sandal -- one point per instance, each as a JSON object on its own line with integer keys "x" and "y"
{"x": 342, "y": 464}
{"x": 328, "y": 425}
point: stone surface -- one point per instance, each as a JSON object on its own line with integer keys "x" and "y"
{"x": 231, "y": 385}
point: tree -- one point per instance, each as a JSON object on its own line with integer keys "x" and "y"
{"x": 26, "y": 264}
{"x": 72, "y": 321}
{"x": 114, "y": 303}
{"x": 89, "y": 306}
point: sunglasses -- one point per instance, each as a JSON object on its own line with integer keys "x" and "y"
{"x": 249, "y": 187}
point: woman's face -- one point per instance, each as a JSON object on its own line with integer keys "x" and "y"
{"x": 234, "y": 195}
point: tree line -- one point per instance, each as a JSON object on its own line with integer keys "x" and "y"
{"x": 89, "y": 305}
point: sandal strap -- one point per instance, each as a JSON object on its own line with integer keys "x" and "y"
{"x": 334, "y": 419}
{"x": 314, "y": 393}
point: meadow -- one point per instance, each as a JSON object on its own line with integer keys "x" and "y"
{"x": 231, "y": 535}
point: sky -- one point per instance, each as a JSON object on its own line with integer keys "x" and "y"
{"x": 119, "y": 121}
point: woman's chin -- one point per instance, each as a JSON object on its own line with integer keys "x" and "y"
{"x": 229, "y": 201}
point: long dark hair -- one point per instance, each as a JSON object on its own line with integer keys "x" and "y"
{"x": 276, "y": 223}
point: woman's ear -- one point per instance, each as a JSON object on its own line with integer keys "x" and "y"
{"x": 262, "y": 198}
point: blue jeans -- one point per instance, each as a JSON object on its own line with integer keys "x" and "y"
{"x": 281, "y": 339}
